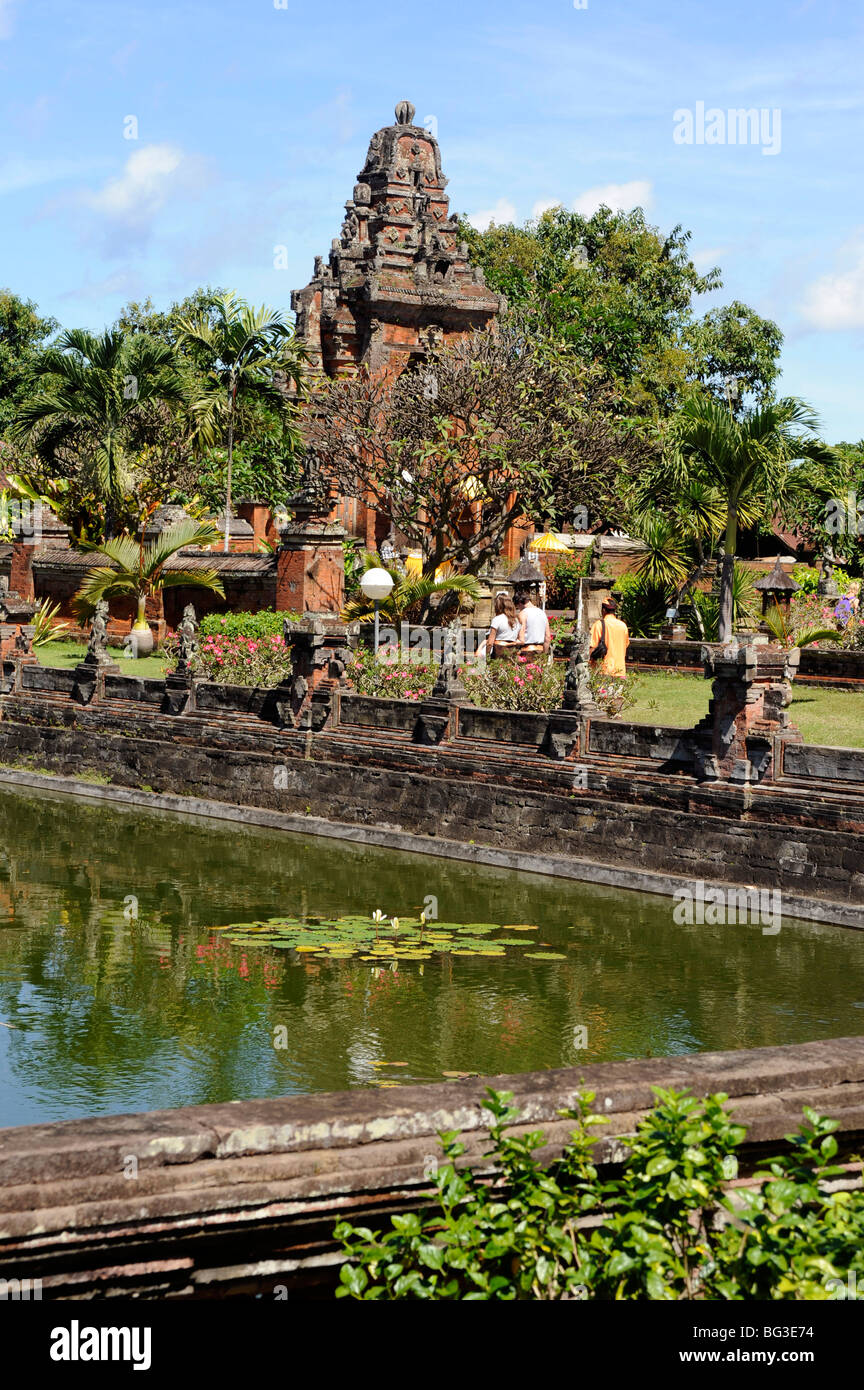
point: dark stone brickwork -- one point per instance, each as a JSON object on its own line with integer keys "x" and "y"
{"x": 634, "y": 811}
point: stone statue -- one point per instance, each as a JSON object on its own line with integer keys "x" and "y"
{"x": 97, "y": 653}
{"x": 596, "y": 557}
{"x": 314, "y": 494}
{"x": 827, "y": 586}
{"x": 577, "y": 682}
{"x": 448, "y": 685}
{"x": 187, "y": 640}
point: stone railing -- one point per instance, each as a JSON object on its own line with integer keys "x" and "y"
{"x": 241, "y": 1199}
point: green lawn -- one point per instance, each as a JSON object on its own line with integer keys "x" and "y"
{"x": 68, "y": 654}
{"x": 834, "y": 717}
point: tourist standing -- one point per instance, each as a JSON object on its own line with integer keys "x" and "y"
{"x": 610, "y": 639}
{"x": 503, "y": 639}
{"x": 535, "y": 634}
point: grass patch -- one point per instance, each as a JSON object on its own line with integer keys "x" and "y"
{"x": 67, "y": 655}
{"x": 832, "y": 717}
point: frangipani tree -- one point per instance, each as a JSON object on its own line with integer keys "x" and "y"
{"x": 138, "y": 569}
{"x": 250, "y": 353}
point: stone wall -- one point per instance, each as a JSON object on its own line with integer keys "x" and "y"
{"x": 241, "y": 1199}
{"x": 624, "y": 807}
{"x": 841, "y": 668}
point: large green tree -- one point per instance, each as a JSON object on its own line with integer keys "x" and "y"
{"x": 491, "y": 428}
{"x": 91, "y": 394}
{"x": 173, "y": 453}
{"x": 748, "y": 460}
{"x": 621, "y": 293}
{"x": 23, "y": 332}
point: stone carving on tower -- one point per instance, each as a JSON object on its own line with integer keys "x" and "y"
{"x": 398, "y": 278}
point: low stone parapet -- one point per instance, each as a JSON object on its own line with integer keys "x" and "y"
{"x": 241, "y": 1198}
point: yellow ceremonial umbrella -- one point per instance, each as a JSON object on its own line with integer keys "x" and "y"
{"x": 414, "y": 566}
{"x": 549, "y": 541}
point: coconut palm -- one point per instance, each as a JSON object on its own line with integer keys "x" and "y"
{"x": 410, "y": 595}
{"x": 138, "y": 570}
{"x": 93, "y": 388}
{"x": 250, "y": 354}
{"x": 747, "y": 458}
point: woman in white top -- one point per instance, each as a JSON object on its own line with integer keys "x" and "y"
{"x": 503, "y": 639}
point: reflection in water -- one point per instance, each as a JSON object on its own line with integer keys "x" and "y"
{"x": 113, "y": 1011}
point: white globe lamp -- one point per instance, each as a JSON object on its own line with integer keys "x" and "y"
{"x": 376, "y": 584}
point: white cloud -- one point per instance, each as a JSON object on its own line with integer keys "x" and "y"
{"x": 143, "y": 186}
{"x": 128, "y": 204}
{"x": 706, "y": 260}
{"x": 5, "y": 18}
{"x": 836, "y": 300}
{"x": 503, "y": 211}
{"x": 620, "y": 197}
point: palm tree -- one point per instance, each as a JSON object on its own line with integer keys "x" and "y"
{"x": 93, "y": 389}
{"x": 251, "y": 353}
{"x": 410, "y": 594}
{"x": 138, "y": 570}
{"x": 747, "y": 458}
{"x": 778, "y": 625}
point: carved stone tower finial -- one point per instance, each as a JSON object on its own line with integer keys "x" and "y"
{"x": 405, "y": 113}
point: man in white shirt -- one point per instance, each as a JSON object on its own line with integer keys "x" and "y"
{"x": 535, "y": 633}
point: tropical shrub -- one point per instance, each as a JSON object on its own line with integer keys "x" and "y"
{"x": 265, "y": 623}
{"x": 398, "y": 680}
{"x": 807, "y": 578}
{"x": 665, "y": 1228}
{"x": 641, "y": 605}
{"x": 526, "y": 683}
{"x": 47, "y": 626}
{"x": 243, "y": 660}
{"x": 613, "y": 694}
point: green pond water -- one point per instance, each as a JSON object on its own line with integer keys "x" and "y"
{"x": 112, "y": 1011}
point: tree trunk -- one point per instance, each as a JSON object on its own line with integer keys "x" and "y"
{"x": 724, "y": 626}
{"x": 230, "y": 467}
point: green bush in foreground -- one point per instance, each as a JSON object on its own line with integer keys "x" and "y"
{"x": 667, "y": 1229}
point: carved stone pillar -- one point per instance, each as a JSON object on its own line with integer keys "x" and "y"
{"x": 748, "y": 711}
{"x": 320, "y": 653}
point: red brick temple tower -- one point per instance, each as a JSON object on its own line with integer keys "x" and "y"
{"x": 397, "y": 280}
{"x": 398, "y": 277}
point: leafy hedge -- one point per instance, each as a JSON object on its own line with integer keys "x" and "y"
{"x": 661, "y": 1233}
{"x": 264, "y": 623}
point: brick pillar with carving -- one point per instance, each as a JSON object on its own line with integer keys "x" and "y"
{"x": 748, "y": 715}
{"x": 310, "y": 561}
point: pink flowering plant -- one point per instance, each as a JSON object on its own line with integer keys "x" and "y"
{"x": 613, "y": 694}
{"x": 527, "y": 683}
{"x": 390, "y": 677}
{"x": 811, "y": 612}
{"x": 242, "y": 660}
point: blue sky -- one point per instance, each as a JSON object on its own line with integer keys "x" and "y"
{"x": 253, "y": 118}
